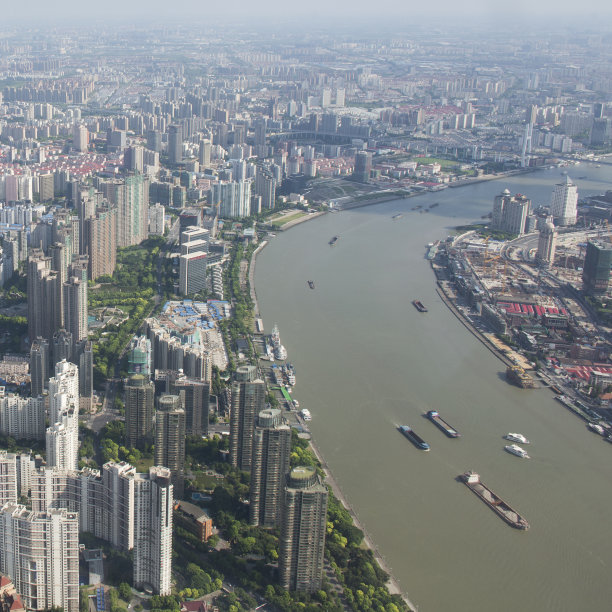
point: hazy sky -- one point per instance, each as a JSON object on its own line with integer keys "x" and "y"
{"x": 318, "y": 11}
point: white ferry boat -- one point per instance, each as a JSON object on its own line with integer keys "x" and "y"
{"x": 516, "y": 437}
{"x": 306, "y": 414}
{"x": 515, "y": 449}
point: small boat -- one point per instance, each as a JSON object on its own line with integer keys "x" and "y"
{"x": 516, "y": 437}
{"x": 333, "y": 241}
{"x": 398, "y": 216}
{"x": 306, "y": 414}
{"x": 311, "y": 284}
{"x": 515, "y": 449}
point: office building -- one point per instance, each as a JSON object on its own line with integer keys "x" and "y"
{"x": 153, "y": 497}
{"x": 170, "y": 440}
{"x": 195, "y": 396}
{"x": 510, "y": 213}
{"x": 363, "y": 166}
{"x": 303, "y": 526}
{"x": 39, "y": 366}
{"x": 40, "y": 552}
{"x": 564, "y": 202}
{"x": 248, "y": 400}
{"x": 269, "y": 468}
{"x": 192, "y": 273}
{"x": 139, "y": 398}
{"x": 596, "y": 269}
{"x": 175, "y": 144}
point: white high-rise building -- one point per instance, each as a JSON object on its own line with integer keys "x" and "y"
{"x": 119, "y": 486}
{"x": 157, "y": 213}
{"x": 564, "y": 202}
{"x": 153, "y": 530}
{"x": 62, "y": 445}
{"x": 39, "y": 551}
{"x": 23, "y": 418}
{"x": 80, "y": 138}
{"x": 62, "y": 437}
{"x": 233, "y": 198}
{"x": 8, "y": 478}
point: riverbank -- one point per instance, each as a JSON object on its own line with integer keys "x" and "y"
{"x": 392, "y": 584}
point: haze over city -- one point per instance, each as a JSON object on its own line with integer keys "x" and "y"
{"x": 305, "y": 307}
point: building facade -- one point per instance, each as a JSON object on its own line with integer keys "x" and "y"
{"x": 303, "y": 528}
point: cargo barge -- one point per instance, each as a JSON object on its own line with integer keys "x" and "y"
{"x": 440, "y": 423}
{"x": 413, "y": 437}
{"x": 501, "y": 508}
{"x": 419, "y": 305}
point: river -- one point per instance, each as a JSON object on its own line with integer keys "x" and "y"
{"x": 367, "y": 361}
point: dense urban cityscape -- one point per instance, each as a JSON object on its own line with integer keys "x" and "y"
{"x": 154, "y": 455}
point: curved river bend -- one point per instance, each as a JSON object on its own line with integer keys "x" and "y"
{"x": 367, "y": 361}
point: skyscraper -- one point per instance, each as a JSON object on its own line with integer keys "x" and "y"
{"x": 80, "y": 138}
{"x": 139, "y": 356}
{"x": 596, "y": 269}
{"x": 233, "y": 198}
{"x": 248, "y": 400}
{"x": 363, "y": 165}
{"x": 139, "y": 397}
{"x": 510, "y": 212}
{"x": 23, "y": 418}
{"x": 175, "y": 144}
{"x": 153, "y": 497}
{"x": 39, "y": 366}
{"x": 547, "y": 244}
{"x": 75, "y": 307}
{"x": 62, "y": 437}
{"x": 44, "y": 291}
{"x": 170, "y": 440}
{"x": 132, "y": 199}
{"x": 100, "y": 241}
{"x": 195, "y": 396}
{"x": 302, "y": 540}
{"x": 192, "y": 272}
{"x": 564, "y": 201}
{"x": 270, "y": 466}
{"x": 40, "y": 552}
